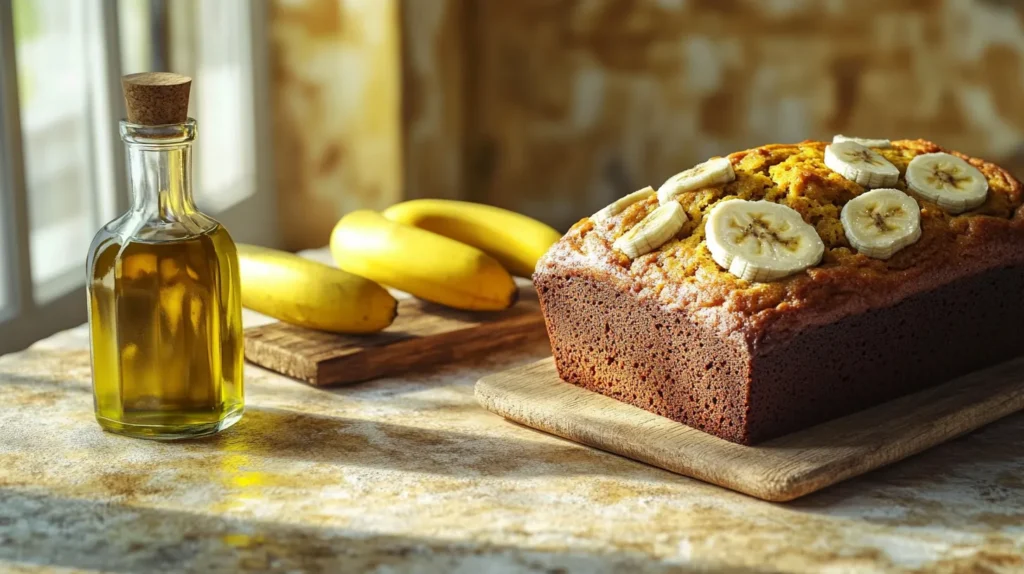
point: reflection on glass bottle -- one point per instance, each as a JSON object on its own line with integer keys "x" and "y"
{"x": 164, "y": 300}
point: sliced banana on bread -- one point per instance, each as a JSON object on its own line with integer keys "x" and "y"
{"x": 947, "y": 180}
{"x": 653, "y": 231}
{"x": 881, "y": 222}
{"x": 620, "y": 205}
{"x": 860, "y": 164}
{"x": 715, "y": 171}
{"x": 866, "y": 142}
{"x": 761, "y": 240}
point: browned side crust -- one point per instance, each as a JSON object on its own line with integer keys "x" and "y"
{"x": 642, "y": 353}
{"x": 610, "y": 342}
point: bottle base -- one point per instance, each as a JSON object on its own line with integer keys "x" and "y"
{"x": 170, "y": 431}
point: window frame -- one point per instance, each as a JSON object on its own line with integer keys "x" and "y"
{"x": 25, "y": 319}
{"x": 31, "y": 313}
{"x": 254, "y": 218}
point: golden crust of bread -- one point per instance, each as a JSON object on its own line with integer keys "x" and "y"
{"x": 681, "y": 274}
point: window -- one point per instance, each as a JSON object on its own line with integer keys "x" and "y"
{"x": 223, "y": 61}
{"x": 62, "y": 172}
{"x": 212, "y": 42}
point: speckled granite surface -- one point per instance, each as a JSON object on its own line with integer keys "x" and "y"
{"x": 409, "y": 475}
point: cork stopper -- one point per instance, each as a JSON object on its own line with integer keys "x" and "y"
{"x": 156, "y": 98}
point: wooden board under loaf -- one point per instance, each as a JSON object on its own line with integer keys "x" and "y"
{"x": 422, "y": 335}
{"x": 778, "y": 470}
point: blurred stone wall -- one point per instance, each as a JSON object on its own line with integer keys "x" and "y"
{"x": 336, "y": 97}
{"x": 556, "y": 107}
{"x": 579, "y": 102}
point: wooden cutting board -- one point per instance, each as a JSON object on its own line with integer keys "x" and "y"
{"x": 778, "y": 470}
{"x": 422, "y": 335}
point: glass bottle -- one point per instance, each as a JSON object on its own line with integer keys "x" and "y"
{"x": 165, "y": 310}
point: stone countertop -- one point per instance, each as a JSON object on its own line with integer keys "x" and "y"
{"x": 409, "y": 475}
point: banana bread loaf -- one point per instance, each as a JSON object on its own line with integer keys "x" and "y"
{"x": 765, "y": 292}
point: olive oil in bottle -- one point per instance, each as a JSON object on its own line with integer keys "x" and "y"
{"x": 164, "y": 295}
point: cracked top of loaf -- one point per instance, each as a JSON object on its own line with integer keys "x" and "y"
{"x": 682, "y": 275}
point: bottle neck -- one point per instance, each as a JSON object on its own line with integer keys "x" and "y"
{"x": 160, "y": 170}
{"x": 161, "y": 181}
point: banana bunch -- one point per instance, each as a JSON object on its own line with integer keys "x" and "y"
{"x": 311, "y": 294}
{"x": 449, "y": 252}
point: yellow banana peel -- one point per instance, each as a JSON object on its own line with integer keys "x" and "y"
{"x": 515, "y": 240}
{"x": 310, "y": 294}
{"x": 425, "y": 264}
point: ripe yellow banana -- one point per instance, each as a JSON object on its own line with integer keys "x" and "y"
{"x": 311, "y": 294}
{"x": 515, "y": 240}
{"x": 428, "y": 265}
